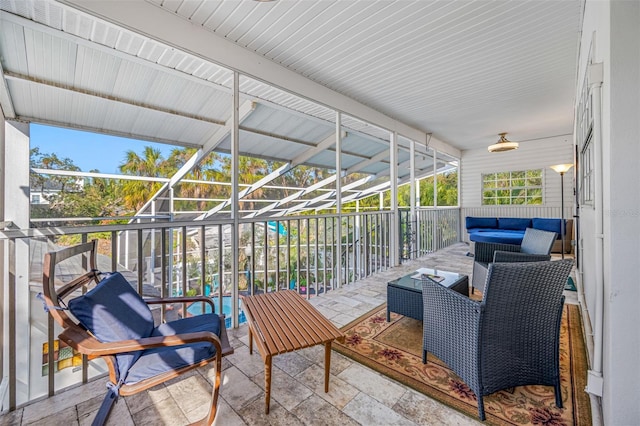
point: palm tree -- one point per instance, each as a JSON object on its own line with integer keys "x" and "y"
{"x": 179, "y": 158}
{"x": 135, "y": 193}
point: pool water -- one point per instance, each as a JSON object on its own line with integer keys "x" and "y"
{"x": 196, "y": 309}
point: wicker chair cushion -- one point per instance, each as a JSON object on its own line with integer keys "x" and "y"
{"x": 114, "y": 311}
{"x": 160, "y": 360}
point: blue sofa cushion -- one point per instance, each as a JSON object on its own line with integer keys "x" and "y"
{"x": 551, "y": 225}
{"x": 481, "y": 222}
{"x": 160, "y": 360}
{"x": 497, "y": 236}
{"x": 114, "y": 311}
{"x": 514, "y": 223}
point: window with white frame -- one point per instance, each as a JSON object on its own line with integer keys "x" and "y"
{"x": 586, "y": 171}
{"x": 523, "y": 187}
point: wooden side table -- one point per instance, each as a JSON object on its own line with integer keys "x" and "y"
{"x": 283, "y": 322}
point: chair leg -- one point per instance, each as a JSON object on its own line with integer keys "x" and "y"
{"x": 424, "y": 356}
{"x": 558, "y": 392}
{"x": 105, "y": 408}
{"x": 481, "y": 408}
{"x": 208, "y": 420}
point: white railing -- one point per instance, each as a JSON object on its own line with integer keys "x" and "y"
{"x": 309, "y": 254}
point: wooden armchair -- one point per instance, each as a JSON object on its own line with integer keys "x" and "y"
{"x": 113, "y": 322}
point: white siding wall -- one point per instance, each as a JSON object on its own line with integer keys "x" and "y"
{"x": 612, "y": 30}
{"x": 538, "y": 154}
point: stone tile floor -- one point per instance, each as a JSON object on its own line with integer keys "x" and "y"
{"x": 357, "y": 394}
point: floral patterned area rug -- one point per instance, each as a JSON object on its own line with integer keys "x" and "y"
{"x": 395, "y": 349}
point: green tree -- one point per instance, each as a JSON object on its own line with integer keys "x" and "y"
{"x": 42, "y": 182}
{"x": 151, "y": 164}
{"x": 201, "y": 171}
{"x": 70, "y": 196}
{"x": 447, "y": 190}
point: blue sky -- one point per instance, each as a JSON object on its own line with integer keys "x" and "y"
{"x": 89, "y": 151}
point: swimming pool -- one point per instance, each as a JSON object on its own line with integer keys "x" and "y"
{"x": 196, "y": 309}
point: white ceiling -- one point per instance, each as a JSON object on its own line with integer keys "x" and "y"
{"x": 462, "y": 70}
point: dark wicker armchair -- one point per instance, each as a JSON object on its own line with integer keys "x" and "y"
{"x": 536, "y": 246}
{"x": 510, "y": 338}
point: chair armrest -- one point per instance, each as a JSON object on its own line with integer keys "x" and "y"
{"x": 447, "y": 311}
{"x": 505, "y": 256}
{"x": 85, "y": 343}
{"x": 181, "y": 299}
{"x": 483, "y": 251}
{"x": 451, "y": 329}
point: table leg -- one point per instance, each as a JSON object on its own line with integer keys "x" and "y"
{"x": 327, "y": 365}
{"x": 267, "y": 383}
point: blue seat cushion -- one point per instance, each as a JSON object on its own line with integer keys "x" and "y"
{"x": 114, "y": 311}
{"x": 502, "y": 237}
{"x": 160, "y": 360}
{"x": 481, "y": 222}
{"x": 551, "y": 225}
{"x": 514, "y": 223}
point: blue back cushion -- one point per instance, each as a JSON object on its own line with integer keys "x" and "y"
{"x": 114, "y": 311}
{"x": 546, "y": 224}
{"x": 481, "y": 222}
{"x": 515, "y": 223}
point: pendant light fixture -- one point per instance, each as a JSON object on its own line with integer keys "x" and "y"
{"x": 503, "y": 144}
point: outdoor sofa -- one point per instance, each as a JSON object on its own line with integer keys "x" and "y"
{"x": 510, "y": 230}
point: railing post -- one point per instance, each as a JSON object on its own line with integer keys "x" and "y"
{"x": 235, "y": 163}
{"x": 338, "y": 229}
{"x": 394, "y": 242}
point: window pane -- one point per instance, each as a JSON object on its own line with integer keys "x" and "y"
{"x": 520, "y": 201}
{"x": 534, "y": 182}
{"x": 535, "y": 192}
{"x": 517, "y": 187}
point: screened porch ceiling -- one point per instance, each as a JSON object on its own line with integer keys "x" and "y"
{"x": 448, "y": 74}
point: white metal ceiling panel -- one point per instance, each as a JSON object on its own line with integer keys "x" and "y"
{"x": 327, "y": 158}
{"x": 288, "y": 125}
{"x": 365, "y": 147}
{"x": 462, "y": 70}
{"x": 13, "y": 47}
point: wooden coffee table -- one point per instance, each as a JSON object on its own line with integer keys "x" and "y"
{"x": 282, "y": 322}
{"x": 404, "y": 295}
